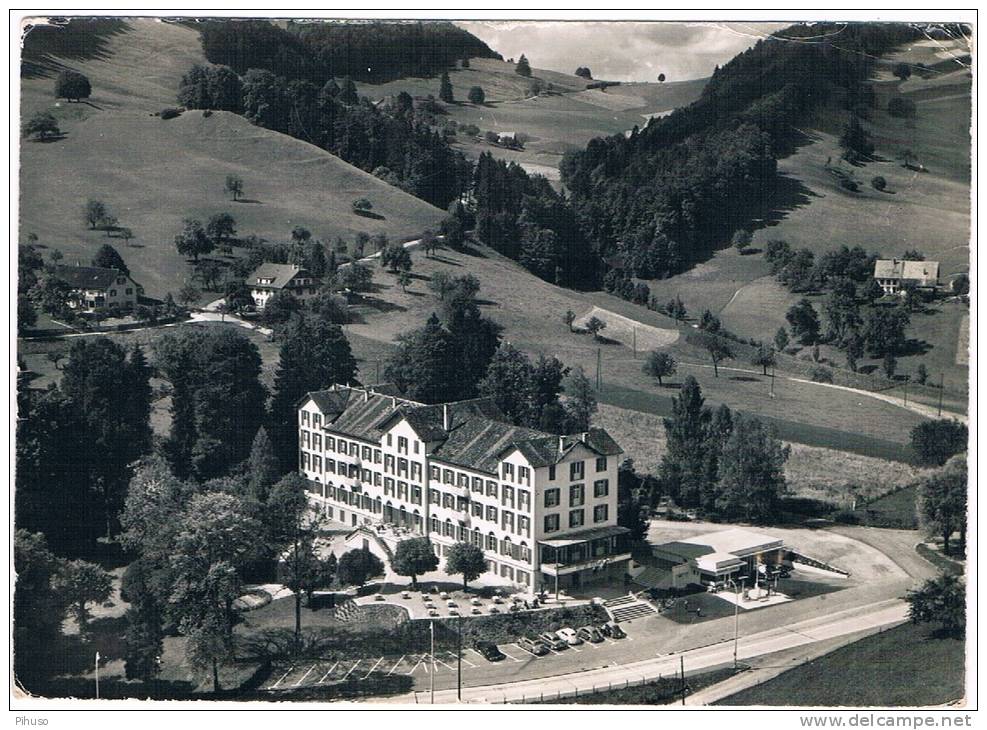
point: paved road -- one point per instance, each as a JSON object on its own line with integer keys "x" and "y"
{"x": 807, "y": 632}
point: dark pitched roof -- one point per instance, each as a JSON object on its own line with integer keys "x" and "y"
{"x": 87, "y": 277}
{"x": 281, "y": 275}
{"x": 478, "y": 432}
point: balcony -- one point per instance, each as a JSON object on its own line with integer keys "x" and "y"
{"x": 587, "y": 549}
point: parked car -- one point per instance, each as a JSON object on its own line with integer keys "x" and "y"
{"x": 494, "y": 609}
{"x": 569, "y": 636}
{"x": 489, "y": 651}
{"x": 533, "y": 645}
{"x": 613, "y": 630}
{"x": 591, "y": 634}
{"x": 552, "y": 641}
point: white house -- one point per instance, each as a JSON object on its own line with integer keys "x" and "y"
{"x": 542, "y": 507}
{"x": 894, "y": 275}
{"x": 269, "y": 279}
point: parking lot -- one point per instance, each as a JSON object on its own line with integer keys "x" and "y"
{"x": 308, "y": 673}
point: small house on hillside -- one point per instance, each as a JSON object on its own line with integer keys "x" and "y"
{"x": 269, "y": 278}
{"x": 94, "y": 289}
{"x": 895, "y": 275}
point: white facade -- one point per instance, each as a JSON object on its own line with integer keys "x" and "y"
{"x": 399, "y": 479}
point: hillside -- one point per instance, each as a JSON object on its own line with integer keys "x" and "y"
{"x": 567, "y": 117}
{"x": 153, "y": 173}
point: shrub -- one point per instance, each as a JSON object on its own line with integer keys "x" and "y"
{"x": 899, "y": 106}
{"x": 170, "y": 113}
{"x": 879, "y": 183}
{"x": 849, "y": 184}
{"x": 362, "y": 204}
{"x": 207, "y": 113}
{"x": 846, "y": 517}
{"x": 821, "y": 375}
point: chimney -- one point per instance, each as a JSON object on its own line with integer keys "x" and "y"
{"x": 394, "y": 402}
{"x": 366, "y": 394}
{"x": 446, "y": 419}
{"x": 561, "y": 443}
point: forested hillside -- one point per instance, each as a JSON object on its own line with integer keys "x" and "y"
{"x": 366, "y": 51}
{"x": 666, "y": 196}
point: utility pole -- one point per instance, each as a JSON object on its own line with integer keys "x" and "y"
{"x": 905, "y": 389}
{"x": 772, "y": 380}
{"x": 939, "y": 414}
{"x": 556, "y": 575}
{"x": 378, "y": 371}
{"x": 634, "y": 331}
{"x": 682, "y": 676}
{"x": 459, "y": 656}
{"x": 431, "y": 677}
{"x": 599, "y": 375}
{"x": 97, "y": 675}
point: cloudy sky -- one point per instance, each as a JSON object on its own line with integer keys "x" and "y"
{"x": 622, "y": 51}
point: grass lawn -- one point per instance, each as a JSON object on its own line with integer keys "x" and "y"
{"x": 663, "y": 691}
{"x": 153, "y": 173}
{"x": 905, "y": 666}
{"x": 894, "y": 509}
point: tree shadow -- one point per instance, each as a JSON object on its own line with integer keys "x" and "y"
{"x": 787, "y": 195}
{"x": 381, "y": 305}
{"x": 444, "y": 260}
{"x": 368, "y": 214}
{"x": 45, "y": 46}
{"x": 49, "y": 138}
{"x": 745, "y": 379}
{"x": 913, "y": 346}
{"x": 249, "y": 201}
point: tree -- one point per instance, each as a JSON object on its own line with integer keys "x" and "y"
{"x": 476, "y": 95}
{"x": 95, "y": 213}
{"x": 414, "y": 557}
{"x": 291, "y": 529}
{"x": 942, "y": 501}
{"x": 884, "y": 330}
{"x": 193, "y": 240}
{"x": 940, "y": 600}
{"x": 396, "y": 258}
{"x": 781, "y": 339}
{"x": 595, "y": 325}
{"x": 79, "y": 583}
{"x": 509, "y": 381}
{"x": 41, "y": 126}
{"x": 441, "y": 284}
{"x": 961, "y": 285}
{"x": 237, "y": 297}
{"x": 903, "y": 71}
{"x": 317, "y": 264}
{"x": 855, "y": 141}
{"x": 764, "y": 356}
{"x": 661, "y": 78}
{"x": 263, "y": 468}
{"x": 921, "y": 374}
{"x": 872, "y": 291}
{"x": 108, "y": 258}
{"x": 804, "y": 321}
{"x": 659, "y": 365}
{"x": 569, "y": 318}
{"x": 356, "y": 277}
{"x": 523, "y": 68}
{"x": 38, "y": 608}
{"x": 878, "y": 183}
{"x": 113, "y": 396}
{"x": 741, "y": 240}
{"x": 356, "y": 567}
{"x": 214, "y": 539}
{"x": 889, "y": 364}
{"x": 580, "y": 402}
{"x": 676, "y": 309}
{"x": 445, "y": 88}
{"x": 584, "y": 72}
{"x": 217, "y": 399}
{"x": 144, "y": 637}
{"x": 314, "y": 354}
{"x": 404, "y": 279}
{"x": 26, "y": 314}
{"x": 467, "y": 560}
{"x": 633, "y": 501}
{"x": 362, "y": 204}
{"x": 221, "y": 227}
{"x": 751, "y": 471}
{"x": 934, "y": 442}
{"x": 188, "y": 294}
{"x": 234, "y": 186}
{"x": 717, "y": 348}
{"x": 282, "y": 308}
{"x": 72, "y": 85}
{"x": 684, "y": 464}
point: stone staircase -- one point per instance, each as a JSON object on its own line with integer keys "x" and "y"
{"x": 652, "y": 577}
{"x": 628, "y": 608}
{"x": 798, "y": 558}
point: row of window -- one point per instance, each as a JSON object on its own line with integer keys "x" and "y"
{"x": 577, "y": 493}
{"x": 577, "y": 518}
{"x": 577, "y": 470}
{"x": 488, "y": 542}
